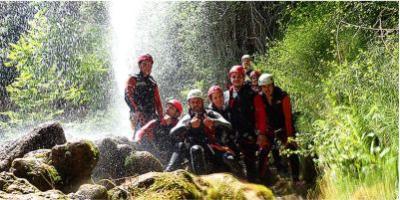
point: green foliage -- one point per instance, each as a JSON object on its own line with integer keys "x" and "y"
{"x": 60, "y": 72}
{"x": 339, "y": 62}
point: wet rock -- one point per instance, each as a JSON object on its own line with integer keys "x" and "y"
{"x": 9, "y": 183}
{"x": 43, "y": 176}
{"x": 75, "y": 163}
{"x": 141, "y": 162}
{"x": 92, "y": 191}
{"x": 108, "y": 184}
{"x": 113, "y": 152}
{"x": 119, "y": 193}
{"x": 43, "y": 137}
{"x": 181, "y": 184}
{"x": 50, "y": 194}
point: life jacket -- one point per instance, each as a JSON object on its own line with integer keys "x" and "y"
{"x": 275, "y": 111}
{"x": 242, "y": 111}
{"x": 144, "y": 93}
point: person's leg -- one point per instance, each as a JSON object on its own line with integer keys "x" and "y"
{"x": 176, "y": 158}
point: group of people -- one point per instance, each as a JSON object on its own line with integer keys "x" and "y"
{"x": 235, "y": 133}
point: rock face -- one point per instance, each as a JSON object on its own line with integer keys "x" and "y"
{"x": 74, "y": 162}
{"x": 183, "y": 185}
{"x": 113, "y": 152}
{"x": 43, "y": 137}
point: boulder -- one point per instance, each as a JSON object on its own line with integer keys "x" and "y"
{"x": 75, "y": 163}
{"x": 141, "y": 162}
{"x": 113, "y": 152}
{"x": 40, "y": 174}
{"x": 108, "y": 184}
{"x": 181, "y": 184}
{"x": 43, "y": 137}
{"x": 91, "y": 191}
{"x": 48, "y": 195}
{"x": 118, "y": 193}
{"x": 9, "y": 183}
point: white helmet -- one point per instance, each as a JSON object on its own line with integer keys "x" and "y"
{"x": 195, "y": 93}
{"x": 246, "y": 56}
{"x": 265, "y": 79}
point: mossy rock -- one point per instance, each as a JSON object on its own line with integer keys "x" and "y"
{"x": 9, "y": 183}
{"x": 118, "y": 193}
{"x": 50, "y": 194}
{"x": 75, "y": 163}
{"x": 43, "y": 176}
{"x": 181, "y": 184}
{"x": 141, "y": 162}
{"x": 113, "y": 152}
{"x": 226, "y": 186}
{"x": 92, "y": 191}
{"x": 43, "y": 155}
{"x": 157, "y": 185}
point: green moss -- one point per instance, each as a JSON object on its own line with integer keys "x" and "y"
{"x": 177, "y": 185}
{"x": 93, "y": 148}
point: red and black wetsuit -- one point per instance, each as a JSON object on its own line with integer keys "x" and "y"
{"x": 142, "y": 96}
{"x": 243, "y": 122}
{"x": 154, "y": 137}
{"x": 275, "y": 120}
{"x": 202, "y": 139}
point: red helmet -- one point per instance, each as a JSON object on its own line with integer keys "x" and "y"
{"x": 237, "y": 69}
{"x": 213, "y": 89}
{"x": 145, "y": 57}
{"x": 255, "y": 73}
{"x": 177, "y": 104}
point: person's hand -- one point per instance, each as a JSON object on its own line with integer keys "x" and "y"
{"x": 166, "y": 120}
{"x": 195, "y": 122}
{"x": 262, "y": 141}
{"x": 208, "y": 122}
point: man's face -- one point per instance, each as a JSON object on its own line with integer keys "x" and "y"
{"x": 254, "y": 80}
{"x": 246, "y": 62}
{"x": 218, "y": 99}
{"x": 268, "y": 89}
{"x": 145, "y": 67}
{"x": 237, "y": 79}
{"x": 172, "y": 111}
{"x": 196, "y": 104}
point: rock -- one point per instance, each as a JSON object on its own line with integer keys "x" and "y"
{"x": 74, "y": 162}
{"x": 50, "y": 194}
{"x": 119, "y": 193}
{"x": 181, "y": 184}
{"x": 142, "y": 162}
{"x": 226, "y": 186}
{"x": 113, "y": 152}
{"x": 108, "y": 184}
{"x": 42, "y": 137}
{"x": 42, "y": 155}
{"x": 9, "y": 183}
{"x": 43, "y": 176}
{"x": 92, "y": 191}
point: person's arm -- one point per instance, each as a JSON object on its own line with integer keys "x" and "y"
{"x": 181, "y": 127}
{"x": 129, "y": 90}
{"x": 220, "y": 121}
{"x": 157, "y": 100}
{"x": 287, "y": 112}
{"x": 147, "y": 130}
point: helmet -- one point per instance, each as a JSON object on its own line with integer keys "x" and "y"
{"x": 177, "y": 104}
{"x": 265, "y": 79}
{"x": 145, "y": 57}
{"x": 255, "y": 73}
{"x": 237, "y": 69}
{"x": 213, "y": 89}
{"x": 195, "y": 93}
{"x": 246, "y": 56}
